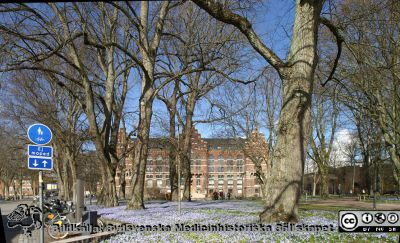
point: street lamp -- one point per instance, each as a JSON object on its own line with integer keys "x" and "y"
{"x": 375, "y": 179}
{"x": 178, "y": 164}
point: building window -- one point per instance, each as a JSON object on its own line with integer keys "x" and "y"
{"x": 239, "y": 164}
{"x": 149, "y": 180}
{"x": 198, "y": 165}
{"x": 220, "y": 163}
{"x": 230, "y": 164}
{"x": 159, "y": 164}
{"x": 230, "y": 181}
{"x": 198, "y": 180}
{"x": 239, "y": 182}
{"x": 211, "y": 181}
{"x": 211, "y": 163}
{"x": 128, "y": 173}
{"x": 149, "y": 165}
{"x": 192, "y": 164}
{"x": 220, "y": 181}
{"x": 159, "y": 180}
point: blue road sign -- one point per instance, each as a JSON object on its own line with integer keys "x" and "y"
{"x": 40, "y": 151}
{"x": 39, "y": 134}
{"x": 35, "y": 163}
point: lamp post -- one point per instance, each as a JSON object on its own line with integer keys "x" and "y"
{"x": 354, "y": 173}
{"x": 178, "y": 164}
{"x": 375, "y": 179}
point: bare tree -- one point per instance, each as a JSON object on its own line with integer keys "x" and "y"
{"x": 148, "y": 41}
{"x": 10, "y": 162}
{"x": 371, "y": 69}
{"x": 297, "y": 74}
{"x": 324, "y": 116}
{"x": 170, "y": 99}
{"x": 201, "y": 52}
{"x": 257, "y": 150}
{"x": 76, "y": 38}
{"x": 36, "y": 99}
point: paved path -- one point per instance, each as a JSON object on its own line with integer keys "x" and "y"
{"x": 353, "y": 203}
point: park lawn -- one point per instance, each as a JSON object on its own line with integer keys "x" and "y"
{"x": 229, "y": 212}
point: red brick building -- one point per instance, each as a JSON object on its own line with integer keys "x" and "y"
{"x": 216, "y": 164}
{"x": 341, "y": 179}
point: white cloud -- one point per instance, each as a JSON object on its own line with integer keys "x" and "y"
{"x": 342, "y": 138}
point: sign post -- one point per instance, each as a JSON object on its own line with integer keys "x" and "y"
{"x": 40, "y": 158}
{"x": 41, "y": 233}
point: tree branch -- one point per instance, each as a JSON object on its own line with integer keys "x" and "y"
{"x": 339, "y": 41}
{"x": 217, "y": 10}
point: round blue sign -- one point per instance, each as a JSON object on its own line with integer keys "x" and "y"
{"x": 39, "y": 134}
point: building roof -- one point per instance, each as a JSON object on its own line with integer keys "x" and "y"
{"x": 213, "y": 143}
{"x": 225, "y": 143}
{"x": 159, "y": 143}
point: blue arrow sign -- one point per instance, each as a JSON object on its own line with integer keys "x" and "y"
{"x": 40, "y": 151}
{"x": 35, "y": 163}
{"x": 39, "y": 134}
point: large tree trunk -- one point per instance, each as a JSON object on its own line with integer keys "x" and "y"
{"x": 122, "y": 181}
{"x": 61, "y": 185}
{"x": 284, "y": 186}
{"x": 34, "y": 184}
{"x": 14, "y": 190}
{"x": 324, "y": 189}
{"x": 141, "y": 149}
{"x": 149, "y": 53}
{"x": 66, "y": 185}
{"x": 173, "y": 176}
{"x": 314, "y": 189}
{"x": 6, "y": 189}
{"x": 108, "y": 194}
{"x": 72, "y": 166}
{"x": 187, "y": 142}
{"x": 396, "y": 176}
{"x": 61, "y": 178}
